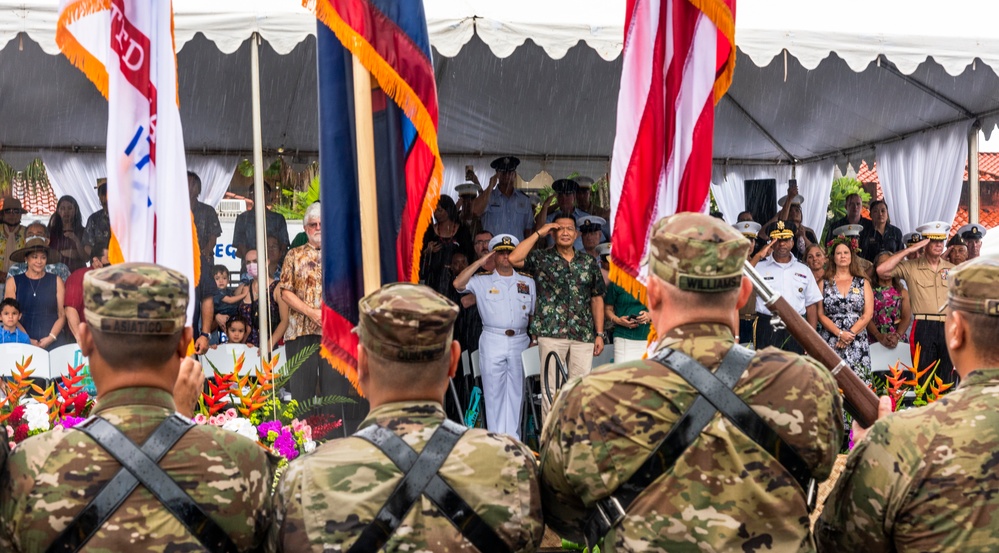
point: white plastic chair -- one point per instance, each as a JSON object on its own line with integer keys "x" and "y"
{"x": 882, "y": 357}
{"x": 282, "y": 360}
{"x": 531, "y": 358}
{"x": 64, "y": 357}
{"x": 10, "y": 354}
{"x": 224, "y": 358}
{"x": 475, "y": 364}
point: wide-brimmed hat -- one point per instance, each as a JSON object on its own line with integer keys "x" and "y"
{"x": 10, "y": 202}
{"x": 35, "y": 244}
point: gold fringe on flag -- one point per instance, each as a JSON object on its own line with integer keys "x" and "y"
{"x": 407, "y": 99}
{"x": 342, "y": 367}
{"x": 74, "y": 51}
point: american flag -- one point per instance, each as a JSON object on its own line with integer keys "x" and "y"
{"x": 679, "y": 56}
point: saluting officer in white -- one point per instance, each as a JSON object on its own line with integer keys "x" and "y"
{"x": 505, "y": 299}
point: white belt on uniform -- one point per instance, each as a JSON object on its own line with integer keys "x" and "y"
{"x": 504, "y": 331}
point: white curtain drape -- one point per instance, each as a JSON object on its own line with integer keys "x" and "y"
{"x": 815, "y": 185}
{"x": 76, "y": 174}
{"x": 454, "y": 172}
{"x": 921, "y": 176}
{"x": 216, "y": 174}
{"x": 727, "y": 185}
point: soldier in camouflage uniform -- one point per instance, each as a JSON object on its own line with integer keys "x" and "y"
{"x": 724, "y": 492}
{"x": 924, "y": 479}
{"x": 327, "y": 499}
{"x": 136, "y": 341}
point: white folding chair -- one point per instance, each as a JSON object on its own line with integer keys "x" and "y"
{"x": 475, "y": 365}
{"x": 882, "y": 358}
{"x": 224, "y": 358}
{"x": 64, "y": 357}
{"x": 531, "y": 358}
{"x": 282, "y": 359}
{"x": 11, "y": 354}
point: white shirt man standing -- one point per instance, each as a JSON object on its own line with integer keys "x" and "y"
{"x": 505, "y": 300}
{"x": 792, "y": 279}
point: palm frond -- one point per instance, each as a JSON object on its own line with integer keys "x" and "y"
{"x": 293, "y": 364}
{"x": 318, "y": 402}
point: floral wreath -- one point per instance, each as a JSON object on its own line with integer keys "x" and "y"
{"x": 850, "y": 242}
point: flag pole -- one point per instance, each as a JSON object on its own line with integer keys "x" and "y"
{"x": 367, "y": 191}
{"x": 260, "y": 202}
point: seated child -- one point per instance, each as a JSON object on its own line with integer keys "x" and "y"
{"x": 226, "y": 300}
{"x": 10, "y": 315}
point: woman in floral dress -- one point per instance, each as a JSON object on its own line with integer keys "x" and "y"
{"x": 891, "y": 309}
{"x": 847, "y": 306}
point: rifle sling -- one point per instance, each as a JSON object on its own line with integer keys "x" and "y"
{"x": 140, "y": 466}
{"x": 716, "y": 395}
{"x": 421, "y": 478}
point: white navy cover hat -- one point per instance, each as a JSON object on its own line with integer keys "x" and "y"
{"x": 748, "y": 229}
{"x": 503, "y": 243}
{"x": 590, "y": 223}
{"x": 584, "y": 182}
{"x": 467, "y": 189}
{"x": 972, "y": 231}
{"x": 911, "y": 238}
{"x": 934, "y": 230}
{"x": 603, "y": 249}
{"x": 847, "y": 230}
{"x": 795, "y": 200}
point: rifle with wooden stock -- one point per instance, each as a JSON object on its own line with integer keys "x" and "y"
{"x": 859, "y": 400}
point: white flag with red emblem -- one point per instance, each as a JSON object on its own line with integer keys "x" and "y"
{"x": 678, "y": 62}
{"x": 126, "y": 48}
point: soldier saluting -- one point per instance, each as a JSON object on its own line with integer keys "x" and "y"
{"x": 136, "y": 476}
{"x": 706, "y": 445}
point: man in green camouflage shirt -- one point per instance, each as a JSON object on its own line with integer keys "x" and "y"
{"x": 724, "y": 492}
{"x": 925, "y": 480}
{"x": 136, "y": 340}
{"x": 326, "y": 500}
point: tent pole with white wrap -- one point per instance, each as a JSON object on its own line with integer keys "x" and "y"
{"x": 259, "y": 204}
{"x": 974, "y": 192}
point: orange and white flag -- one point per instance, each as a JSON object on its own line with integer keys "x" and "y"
{"x": 126, "y": 48}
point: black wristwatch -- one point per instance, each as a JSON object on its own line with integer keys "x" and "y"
{"x": 205, "y": 335}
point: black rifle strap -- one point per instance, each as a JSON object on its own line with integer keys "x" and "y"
{"x": 610, "y": 510}
{"x": 141, "y": 466}
{"x": 416, "y": 469}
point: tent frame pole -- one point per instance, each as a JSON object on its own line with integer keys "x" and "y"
{"x": 259, "y": 203}
{"x": 974, "y": 191}
{"x": 366, "y": 184}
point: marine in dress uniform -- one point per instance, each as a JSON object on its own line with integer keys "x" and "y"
{"x": 793, "y": 280}
{"x": 627, "y": 452}
{"x": 505, "y": 300}
{"x": 409, "y": 480}
{"x": 926, "y": 277}
{"x": 924, "y": 480}
{"x": 66, "y": 490}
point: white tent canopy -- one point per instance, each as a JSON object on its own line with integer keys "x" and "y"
{"x": 813, "y": 80}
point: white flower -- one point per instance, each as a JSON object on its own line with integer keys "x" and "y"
{"x": 37, "y": 415}
{"x": 243, "y": 427}
{"x": 309, "y": 446}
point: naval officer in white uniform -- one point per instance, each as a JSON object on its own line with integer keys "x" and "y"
{"x": 505, "y": 299}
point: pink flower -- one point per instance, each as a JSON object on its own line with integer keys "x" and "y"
{"x": 200, "y": 419}
{"x": 230, "y": 414}
{"x": 10, "y": 432}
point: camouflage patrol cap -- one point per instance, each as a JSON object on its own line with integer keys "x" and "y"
{"x": 409, "y": 323}
{"x": 974, "y": 286}
{"x": 698, "y": 253}
{"x": 135, "y": 298}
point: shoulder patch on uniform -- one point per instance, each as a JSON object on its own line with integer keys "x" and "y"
{"x": 525, "y": 274}
{"x": 482, "y": 272}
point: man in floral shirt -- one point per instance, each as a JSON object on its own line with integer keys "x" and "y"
{"x": 569, "y": 316}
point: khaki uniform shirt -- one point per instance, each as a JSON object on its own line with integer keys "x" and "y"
{"x": 51, "y": 477}
{"x": 927, "y": 288}
{"x": 924, "y": 480}
{"x": 724, "y": 493}
{"x": 326, "y": 499}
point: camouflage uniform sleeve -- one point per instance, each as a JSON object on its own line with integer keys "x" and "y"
{"x": 860, "y": 512}
{"x": 563, "y": 508}
{"x": 288, "y": 532}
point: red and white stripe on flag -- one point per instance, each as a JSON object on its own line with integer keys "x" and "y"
{"x": 678, "y": 61}
{"x": 126, "y": 48}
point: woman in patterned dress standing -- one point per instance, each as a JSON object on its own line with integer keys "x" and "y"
{"x": 847, "y": 306}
